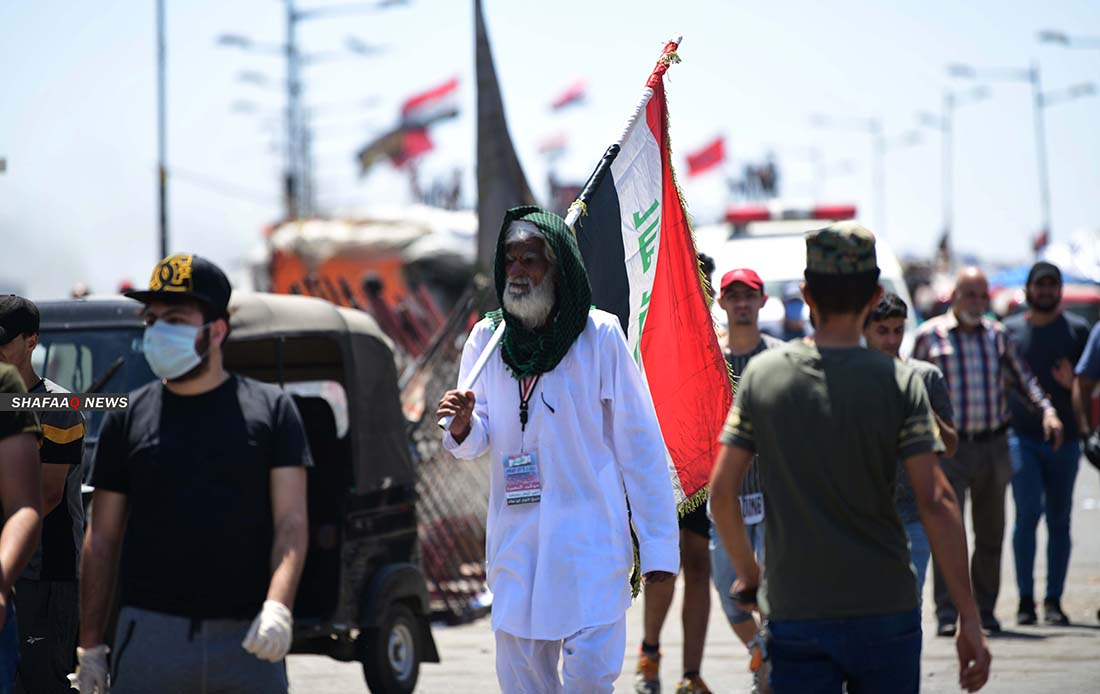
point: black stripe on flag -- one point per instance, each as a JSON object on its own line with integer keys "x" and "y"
{"x": 600, "y": 237}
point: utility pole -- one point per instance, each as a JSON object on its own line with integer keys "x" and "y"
{"x": 1041, "y": 151}
{"x": 162, "y": 136}
{"x": 878, "y": 153}
{"x": 1039, "y": 102}
{"x": 946, "y": 159}
{"x": 292, "y": 180}
{"x": 298, "y": 194}
{"x": 945, "y": 123}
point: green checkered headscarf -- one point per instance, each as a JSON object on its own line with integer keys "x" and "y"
{"x": 530, "y": 352}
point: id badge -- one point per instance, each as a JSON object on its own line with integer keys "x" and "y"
{"x": 752, "y": 508}
{"x": 521, "y": 479}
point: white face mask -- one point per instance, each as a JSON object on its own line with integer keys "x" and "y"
{"x": 170, "y": 349}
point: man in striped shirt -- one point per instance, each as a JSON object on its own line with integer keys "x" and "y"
{"x": 977, "y": 358}
{"x": 742, "y": 296}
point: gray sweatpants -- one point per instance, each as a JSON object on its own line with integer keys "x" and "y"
{"x": 157, "y": 653}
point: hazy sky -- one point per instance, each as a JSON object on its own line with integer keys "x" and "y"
{"x": 77, "y": 113}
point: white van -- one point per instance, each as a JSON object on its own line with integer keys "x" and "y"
{"x": 775, "y": 247}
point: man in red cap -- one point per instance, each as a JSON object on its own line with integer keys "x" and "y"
{"x": 742, "y": 296}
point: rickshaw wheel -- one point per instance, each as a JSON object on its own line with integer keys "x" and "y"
{"x": 391, "y": 655}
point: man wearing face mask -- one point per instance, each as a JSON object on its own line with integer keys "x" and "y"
{"x": 793, "y": 326}
{"x": 201, "y": 483}
{"x": 570, "y": 426}
{"x": 977, "y": 357}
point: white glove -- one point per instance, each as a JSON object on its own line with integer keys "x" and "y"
{"x": 92, "y": 670}
{"x": 269, "y": 637}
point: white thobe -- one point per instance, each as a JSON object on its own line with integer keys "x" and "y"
{"x": 563, "y": 564}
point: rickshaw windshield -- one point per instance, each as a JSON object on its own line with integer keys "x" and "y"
{"x": 104, "y": 360}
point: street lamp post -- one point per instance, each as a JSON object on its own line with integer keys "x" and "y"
{"x": 1063, "y": 39}
{"x": 878, "y": 154}
{"x": 297, "y": 191}
{"x": 1039, "y": 100}
{"x": 162, "y": 136}
{"x": 945, "y": 123}
{"x": 293, "y": 176}
{"x": 880, "y": 145}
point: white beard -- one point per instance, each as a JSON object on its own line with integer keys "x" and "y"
{"x": 533, "y": 308}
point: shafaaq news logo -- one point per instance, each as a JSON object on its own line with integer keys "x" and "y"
{"x": 52, "y": 402}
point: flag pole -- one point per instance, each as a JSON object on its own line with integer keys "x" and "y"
{"x": 580, "y": 205}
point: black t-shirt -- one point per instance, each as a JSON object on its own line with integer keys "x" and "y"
{"x": 57, "y": 557}
{"x": 1042, "y": 348}
{"x": 196, "y": 472}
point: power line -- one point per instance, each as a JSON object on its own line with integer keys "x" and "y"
{"x": 225, "y": 188}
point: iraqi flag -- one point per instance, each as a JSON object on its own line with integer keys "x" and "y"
{"x": 574, "y": 94}
{"x": 642, "y": 264}
{"x": 435, "y": 104}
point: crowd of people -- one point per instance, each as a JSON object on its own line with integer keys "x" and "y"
{"x": 844, "y": 471}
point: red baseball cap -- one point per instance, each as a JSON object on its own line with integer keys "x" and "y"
{"x": 743, "y": 275}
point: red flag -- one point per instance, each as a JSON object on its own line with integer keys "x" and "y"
{"x": 413, "y": 143}
{"x": 1041, "y": 240}
{"x": 573, "y": 94}
{"x": 705, "y": 159}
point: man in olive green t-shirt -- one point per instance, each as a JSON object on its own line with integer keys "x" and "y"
{"x": 829, "y": 420}
{"x": 21, "y": 500}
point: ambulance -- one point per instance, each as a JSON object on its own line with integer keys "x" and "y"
{"x": 770, "y": 239}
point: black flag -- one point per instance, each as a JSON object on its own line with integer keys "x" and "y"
{"x": 500, "y": 181}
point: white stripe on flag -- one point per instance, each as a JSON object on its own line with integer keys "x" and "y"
{"x": 636, "y": 173}
{"x": 638, "y": 176}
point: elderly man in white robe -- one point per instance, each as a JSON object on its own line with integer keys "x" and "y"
{"x": 573, "y": 437}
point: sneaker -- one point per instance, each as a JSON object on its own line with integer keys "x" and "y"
{"x": 692, "y": 685}
{"x": 990, "y": 625}
{"x": 1053, "y": 615}
{"x": 646, "y": 677}
{"x": 759, "y": 665}
{"x": 1025, "y": 616}
{"x": 760, "y": 679}
{"x": 945, "y": 628}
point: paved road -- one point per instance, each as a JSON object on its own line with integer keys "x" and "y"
{"x": 1024, "y": 659}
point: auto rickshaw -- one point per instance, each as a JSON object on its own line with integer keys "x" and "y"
{"x": 362, "y": 596}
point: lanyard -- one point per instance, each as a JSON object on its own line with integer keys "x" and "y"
{"x": 526, "y": 390}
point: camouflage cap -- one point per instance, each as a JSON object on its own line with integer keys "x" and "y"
{"x": 843, "y": 248}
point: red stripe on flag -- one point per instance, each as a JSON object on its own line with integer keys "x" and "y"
{"x": 708, "y": 157}
{"x": 573, "y": 94}
{"x": 683, "y": 362}
{"x": 439, "y": 92}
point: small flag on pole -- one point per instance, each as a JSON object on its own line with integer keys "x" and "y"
{"x": 708, "y": 157}
{"x": 435, "y": 104}
{"x": 574, "y": 94}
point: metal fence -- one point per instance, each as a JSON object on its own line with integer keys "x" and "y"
{"x": 453, "y": 494}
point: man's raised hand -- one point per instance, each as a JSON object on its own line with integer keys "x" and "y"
{"x": 460, "y": 406}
